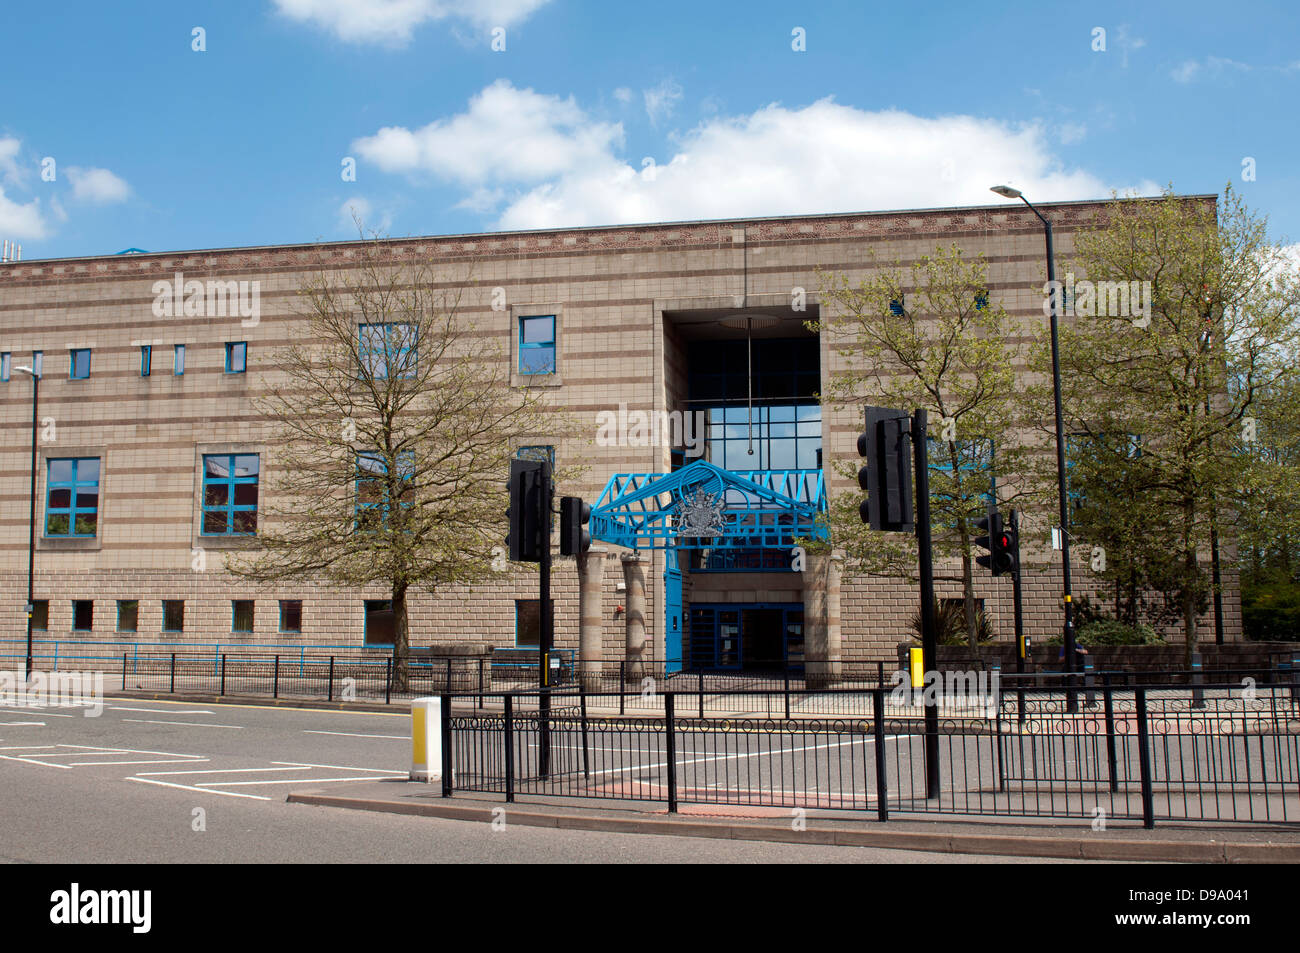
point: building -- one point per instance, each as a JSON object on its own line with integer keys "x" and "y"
{"x": 146, "y": 416}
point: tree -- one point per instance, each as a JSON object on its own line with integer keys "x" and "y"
{"x": 394, "y": 422}
{"x": 938, "y": 341}
{"x": 1216, "y": 327}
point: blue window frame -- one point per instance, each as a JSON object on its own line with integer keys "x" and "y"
{"x": 4, "y": 367}
{"x": 146, "y": 360}
{"x": 178, "y": 365}
{"x": 537, "y": 344}
{"x": 173, "y": 615}
{"x": 388, "y": 350}
{"x": 981, "y": 300}
{"x": 241, "y": 616}
{"x": 541, "y": 454}
{"x": 230, "y": 494}
{"x": 79, "y": 364}
{"x": 128, "y": 615}
{"x": 291, "y": 616}
{"x": 896, "y": 305}
{"x": 373, "y": 502}
{"x": 236, "y": 357}
{"x": 72, "y": 497}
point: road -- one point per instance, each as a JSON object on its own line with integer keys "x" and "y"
{"x": 154, "y": 782}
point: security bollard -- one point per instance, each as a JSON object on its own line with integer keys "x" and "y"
{"x": 426, "y": 739}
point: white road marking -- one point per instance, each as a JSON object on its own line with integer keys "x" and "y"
{"x": 34, "y": 708}
{"x": 350, "y": 734}
{"x": 47, "y": 764}
{"x": 151, "y": 774}
{"x": 236, "y": 784}
{"x": 82, "y": 764}
{"x": 21, "y": 724}
{"x": 336, "y": 767}
{"x": 190, "y": 787}
{"x": 162, "y": 711}
{"x": 106, "y": 749}
{"x": 188, "y": 724}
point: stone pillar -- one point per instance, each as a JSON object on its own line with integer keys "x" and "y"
{"x": 591, "y": 621}
{"x": 821, "y": 604}
{"x": 634, "y": 602}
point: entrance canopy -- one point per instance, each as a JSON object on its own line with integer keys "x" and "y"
{"x": 702, "y": 506}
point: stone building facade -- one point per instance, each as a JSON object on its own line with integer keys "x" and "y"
{"x": 639, "y": 322}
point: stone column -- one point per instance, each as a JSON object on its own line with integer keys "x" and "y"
{"x": 591, "y": 621}
{"x": 821, "y": 604}
{"x": 634, "y": 602}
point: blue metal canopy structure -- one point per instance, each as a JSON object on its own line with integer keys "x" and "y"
{"x": 703, "y": 506}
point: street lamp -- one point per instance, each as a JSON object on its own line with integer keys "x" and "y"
{"x": 1007, "y": 192}
{"x": 31, "y": 537}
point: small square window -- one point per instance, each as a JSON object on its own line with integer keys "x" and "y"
{"x": 179, "y": 365}
{"x": 173, "y": 615}
{"x": 537, "y": 344}
{"x": 896, "y": 306}
{"x": 83, "y": 615}
{"x": 291, "y": 615}
{"x": 128, "y": 615}
{"x": 981, "y": 300}
{"x": 379, "y": 622}
{"x": 146, "y": 360}
{"x": 236, "y": 357}
{"x": 40, "y": 614}
{"x": 79, "y": 366}
{"x": 4, "y": 366}
{"x": 241, "y": 615}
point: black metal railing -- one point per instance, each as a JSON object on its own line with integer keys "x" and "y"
{"x": 1139, "y": 753}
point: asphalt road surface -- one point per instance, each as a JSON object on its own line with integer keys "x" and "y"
{"x": 155, "y": 782}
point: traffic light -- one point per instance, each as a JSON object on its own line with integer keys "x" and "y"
{"x": 527, "y": 490}
{"x": 574, "y": 536}
{"x": 886, "y": 443}
{"x": 1001, "y": 542}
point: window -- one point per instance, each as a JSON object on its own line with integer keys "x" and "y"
{"x": 537, "y": 344}
{"x": 173, "y": 615}
{"x": 539, "y": 454}
{"x": 178, "y": 364}
{"x": 291, "y": 615}
{"x": 373, "y": 501}
{"x": 241, "y": 615}
{"x": 128, "y": 615}
{"x": 79, "y": 365}
{"x": 40, "y": 614}
{"x": 72, "y": 497}
{"x": 388, "y": 349}
{"x": 974, "y": 462}
{"x": 83, "y": 615}
{"x": 981, "y": 299}
{"x": 379, "y": 622}
{"x": 4, "y": 367}
{"x": 896, "y": 305}
{"x": 146, "y": 360}
{"x": 230, "y": 494}
{"x": 528, "y": 622}
{"x": 236, "y": 357}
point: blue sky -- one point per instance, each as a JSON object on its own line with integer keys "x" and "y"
{"x": 598, "y": 113}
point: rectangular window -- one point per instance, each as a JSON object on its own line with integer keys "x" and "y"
{"x": 236, "y": 357}
{"x": 83, "y": 615}
{"x": 173, "y": 615}
{"x": 178, "y": 366}
{"x": 79, "y": 364}
{"x": 146, "y": 360}
{"x": 291, "y": 615}
{"x": 72, "y": 497}
{"x": 241, "y": 615}
{"x": 230, "y": 494}
{"x": 974, "y": 470}
{"x": 896, "y": 306}
{"x": 379, "y": 622}
{"x": 40, "y": 614}
{"x": 373, "y": 494}
{"x": 388, "y": 350}
{"x": 528, "y": 622}
{"x": 541, "y": 454}
{"x": 4, "y": 367}
{"x": 981, "y": 300}
{"x": 537, "y": 344}
{"x": 128, "y": 615}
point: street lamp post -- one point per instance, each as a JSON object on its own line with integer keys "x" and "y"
{"x": 1062, "y": 494}
{"x": 31, "y": 535}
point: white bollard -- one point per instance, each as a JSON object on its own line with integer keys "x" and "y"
{"x": 426, "y": 739}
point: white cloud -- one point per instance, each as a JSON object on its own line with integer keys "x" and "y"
{"x": 9, "y": 171}
{"x": 97, "y": 186}
{"x": 508, "y": 135}
{"x": 360, "y": 210}
{"x": 623, "y": 94}
{"x": 542, "y": 162}
{"x": 662, "y": 100}
{"x": 391, "y": 22}
{"x": 21, "y": 221}
{"x": 1185, "y": 72}
{"x": 1213, "y": 67}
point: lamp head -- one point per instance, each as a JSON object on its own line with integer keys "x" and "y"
{"x": 1007, "y": 191}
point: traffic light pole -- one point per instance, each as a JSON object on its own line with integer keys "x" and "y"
{"x": 545, "y": 638}
{"x": 929, "y": 634}
{"x": 1020, "y": 618}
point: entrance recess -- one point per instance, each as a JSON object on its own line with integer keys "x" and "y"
{"x": 752, "y": 637}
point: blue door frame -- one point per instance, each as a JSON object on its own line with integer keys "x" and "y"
{"x": 710, "y": 646}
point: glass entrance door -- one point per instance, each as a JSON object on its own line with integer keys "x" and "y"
{"x": 750, "y": 637}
